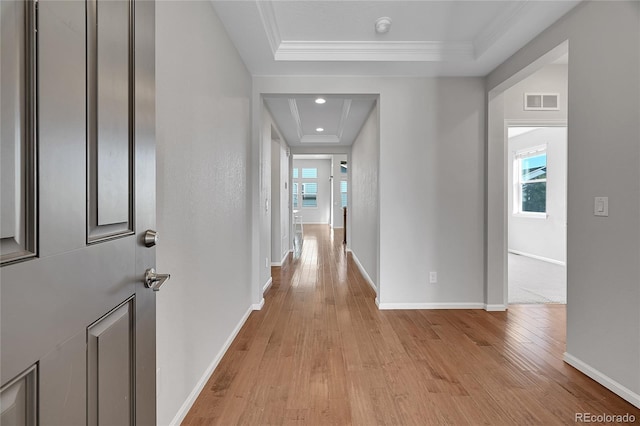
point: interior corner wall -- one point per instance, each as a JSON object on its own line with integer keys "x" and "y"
{"x": 431, "y": 215}
{"x": 264, "y": 199}
{"x": 603, "y": 253}
{"x": 203, "y": 136}
{"x": 338, "y": 176}
{"x": 363, "y": 197}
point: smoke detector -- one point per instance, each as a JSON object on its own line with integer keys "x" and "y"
{"x": 383, "y": 25}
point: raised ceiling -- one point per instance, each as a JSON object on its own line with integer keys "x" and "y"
{"x": 427, "y": 38}
{"x": 335, "y": 37}
{"x": 299, "y": 117}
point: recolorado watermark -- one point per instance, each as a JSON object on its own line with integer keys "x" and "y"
{"x": 604, "y": 418}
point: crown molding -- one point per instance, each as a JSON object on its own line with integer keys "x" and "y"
{"x": 319, "y": 139}
{"x": 499, "y": 26}
{"x": 293, "y": 106}
{"x": 346, "y": 107}
{"x": 270, "y": 24}
{"x": 425, "y": 51}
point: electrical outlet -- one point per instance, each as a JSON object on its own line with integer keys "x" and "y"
{"x": 433, "y": 277}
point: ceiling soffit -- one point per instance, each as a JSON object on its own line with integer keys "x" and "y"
{"x": 410, "y": 51}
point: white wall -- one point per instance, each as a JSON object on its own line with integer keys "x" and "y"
{"x": 338, "y": 214}
{"x": 603, "y": 253}
{"x": 263, "y": 214}
{"x": 363, "y": 197}
{"x": 431, "y": 214}
{"x": 280, "y": 186}
{"x": 203, "y": 125}
{"x": 541, "y": 237}
{"x": 321, "y": 213}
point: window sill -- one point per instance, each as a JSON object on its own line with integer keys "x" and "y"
{"x": 531, "y": 215}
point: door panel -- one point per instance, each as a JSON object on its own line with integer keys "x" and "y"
{"x": 18, "y": 399}
{"x": 111, "y": 368}
{"x": 17, "y": 114}
{"x": 53, "y": 308}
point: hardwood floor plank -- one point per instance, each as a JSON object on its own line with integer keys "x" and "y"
{"x": 321, "y": 353}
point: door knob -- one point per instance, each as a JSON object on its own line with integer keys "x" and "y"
{"x": 154, "y": 280}
{"x": 150, "y": 238}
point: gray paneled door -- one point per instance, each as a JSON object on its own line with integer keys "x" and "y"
{"x": 77, "y": 189}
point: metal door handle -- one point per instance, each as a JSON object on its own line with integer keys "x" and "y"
{"x": 154, "y": 280}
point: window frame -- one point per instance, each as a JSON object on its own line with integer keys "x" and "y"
{"x": 299, "y": 183}
{"x": 518, "y": 182}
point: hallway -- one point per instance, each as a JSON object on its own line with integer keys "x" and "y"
{"x": 320, "y": 352}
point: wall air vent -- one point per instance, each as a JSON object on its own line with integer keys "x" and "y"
{"x": 541, "y": 101}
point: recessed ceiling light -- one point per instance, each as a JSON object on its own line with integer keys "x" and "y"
{"x": 383, "y": 25}
{"x": 321, "y": 101}
{"x": 319, "y": 129}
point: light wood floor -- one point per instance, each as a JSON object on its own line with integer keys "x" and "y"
{"x": 320, "y": 352}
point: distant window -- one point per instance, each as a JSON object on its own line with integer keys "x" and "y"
{"x": 310, "y": 194}
{"x": 343, "y": 192}
{"x": 310, "y": 173}
{"x": 531, "y": 184}
{"x": 295, "y": 173}
{"x": 343, "y": 167}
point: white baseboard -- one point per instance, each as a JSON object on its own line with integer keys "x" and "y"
{"x": 390, "y": 306}
{"x": 258, "y": 306}
{"x": 266, "y": 287}
{"x": 284, "y": 259}
{"x": 495, "y": 308}
{"x": 534, "y": 256}
{"x": 363, "y": 271}
{"x": 604, "y": 380}
{"x": 188, "y": 403}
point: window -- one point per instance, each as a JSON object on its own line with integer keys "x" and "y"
{"x": 343, "y": 192}
{"x": 531, "y": 183}
{"x": 310, "y": 194}
{"x": 305, "y": 188}
{"x": 310, "y": 173}
{"x": 343, "y": 167}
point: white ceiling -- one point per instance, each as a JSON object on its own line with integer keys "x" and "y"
{"x": 337, "y": 37}
{"x": 427, "y": 38}
{"x": 341, "y": 117}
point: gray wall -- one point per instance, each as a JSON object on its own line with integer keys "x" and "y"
{"x": 338, "y": 214}
{"x": 279, "y": 201}
{"x": 203, "y": 125}
{"x": 541, "y": 237}
{"x": 431, "y": 214}
{"x": 363, "y": 197}
{"x": 549, "y": 79}
{"x": 603, "y": 268}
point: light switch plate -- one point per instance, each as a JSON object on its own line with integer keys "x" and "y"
{"x": 601, "y": 206}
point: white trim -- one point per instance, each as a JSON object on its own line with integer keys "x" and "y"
{"x": 258, "y": 306}
{"x": 603, "y": 379}
{"x": 533, "y": 256}
{"x": 270, "y": 24}
{"x": 530, "y": 215}
{"x": 346, "y": 107}
{"x": 295, "y": 114}
{"x": 314, "y": 223}
{"x": 495, "y": 308}
{"x": 319, "y": 139}
{"x": 284, "y": 259}
{"x": 389, "y": 306}
{"x": 265, "y": 287}
{"x": 363, "y": 271}
{"x": 534, "y": 122}
{"x": 415, "y": 51}
{"x": 186, "y": 405}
